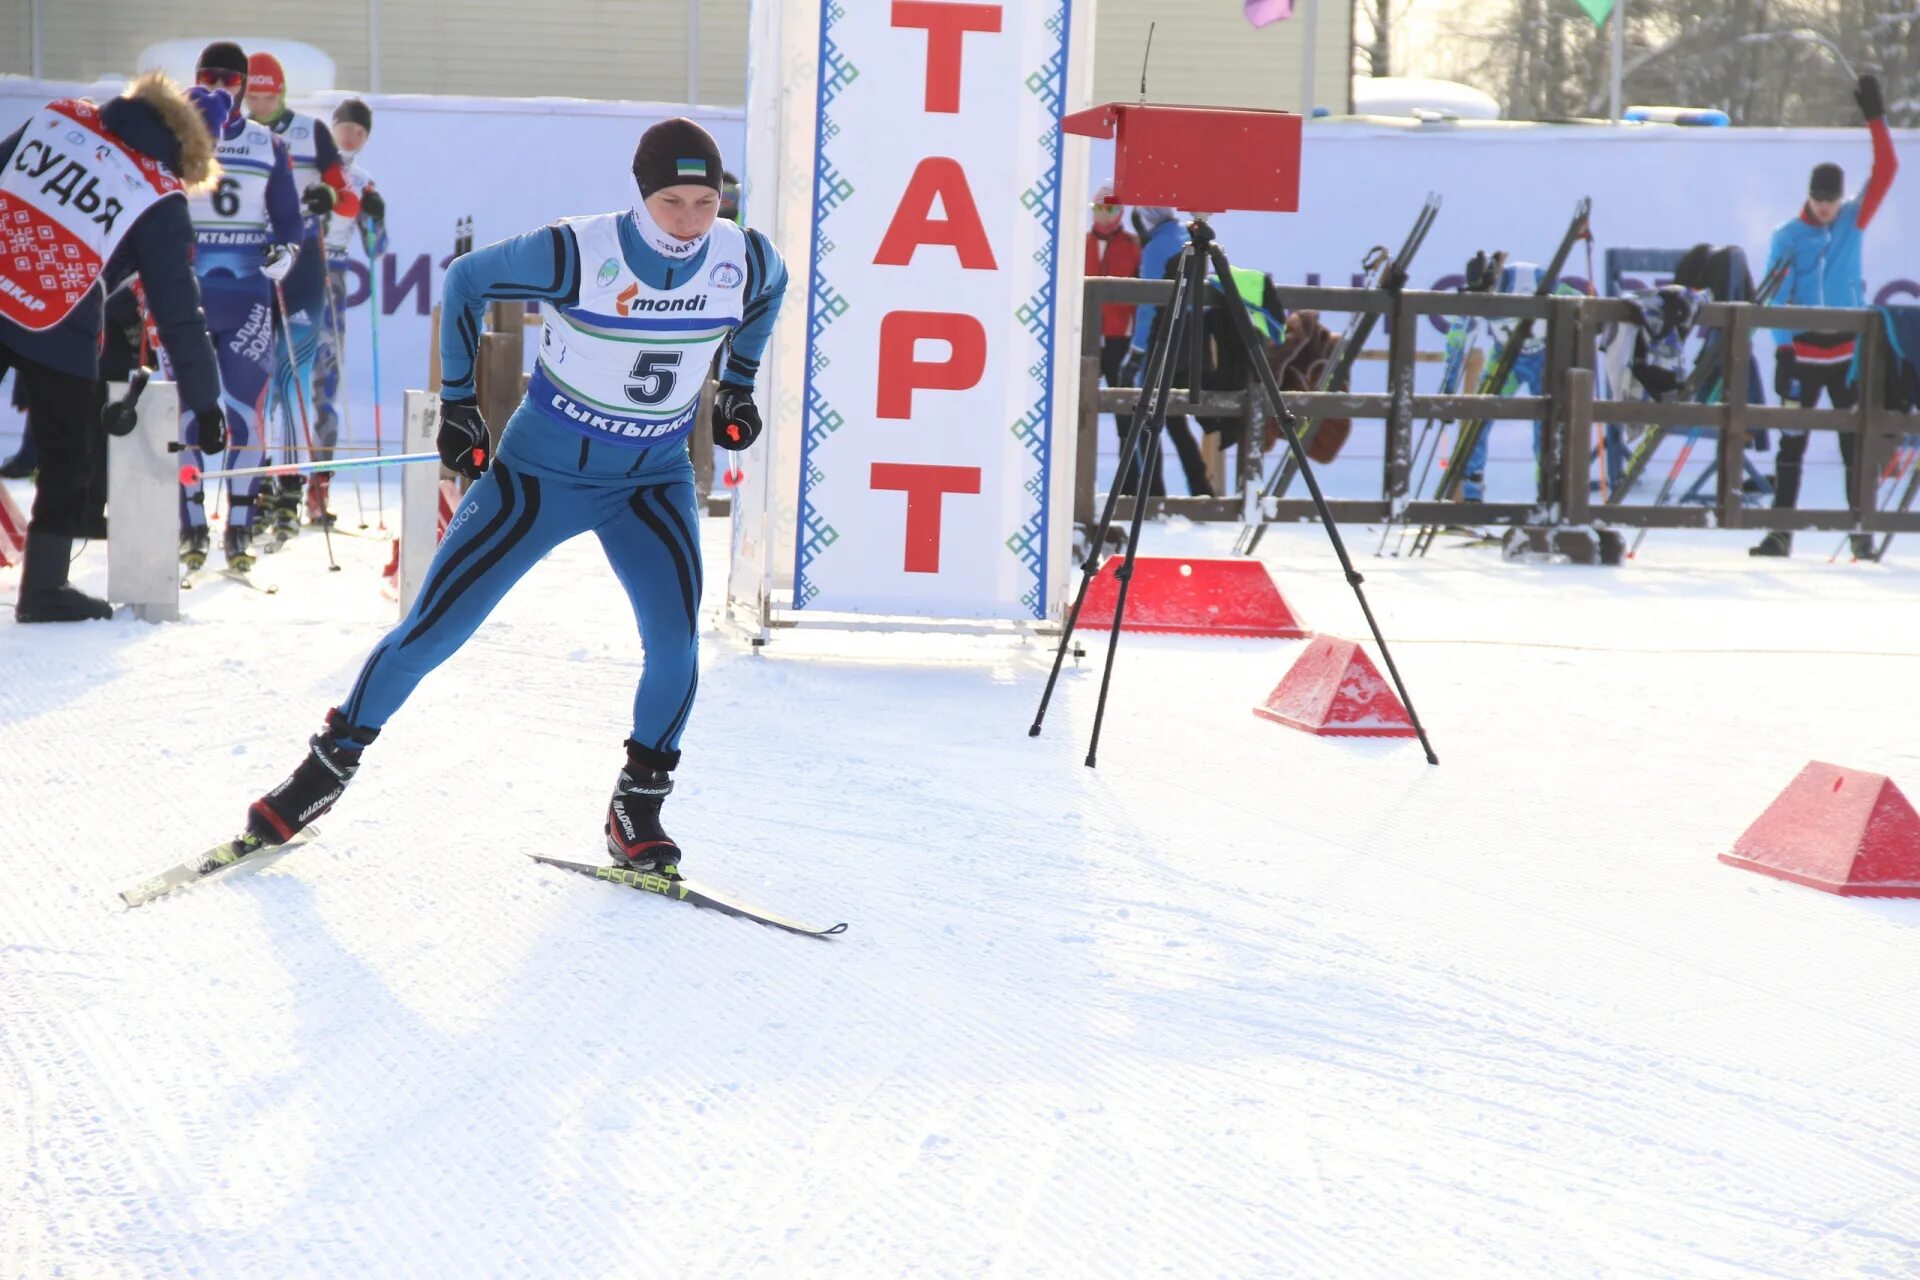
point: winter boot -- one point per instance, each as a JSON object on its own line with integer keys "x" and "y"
{"x": 1863, "y": 547}
{"x": 333, "y": 757}
{"x": 317, "y": 512}
{"x": 239, "y": 548}
{"x": 23, "y": 463}
{"x": 1775, "y": 543}
{"x": 193, "y": 546}
{"x": 634, "y": 836}
{"x": 44, "y": 593}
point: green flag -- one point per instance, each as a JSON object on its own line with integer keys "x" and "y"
{"x": 1598, "y": 10}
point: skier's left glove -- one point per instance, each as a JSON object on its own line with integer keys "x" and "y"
{"x": 210, "y": 429}
{"x": 373, "y": 204}
{"x": 317, "y": 199}
{"x": 1867, "y": 94}
{"x": 279, "y": 261}
{"x": 464, "y": 445}
{"x": 1130, "y": 367}
{"x": 736, "y": 423}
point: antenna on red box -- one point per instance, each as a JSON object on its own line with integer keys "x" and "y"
{"x": 1214, "y": 159}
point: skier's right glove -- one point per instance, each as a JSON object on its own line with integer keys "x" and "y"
{"x": 1867, "y": 94}
{"x": 463, "y": 442}
{"x": 279, "y": 261}
{"x": 317, "y": 199}
{"x": 1131, "y": 365}
{"x": 210, "y": 429}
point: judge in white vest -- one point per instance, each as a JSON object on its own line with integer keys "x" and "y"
{"x": 634, "y": 306}
{"x": 89, "y": 194}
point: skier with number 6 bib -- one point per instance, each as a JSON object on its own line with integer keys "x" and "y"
{"x": 634, "y": 305}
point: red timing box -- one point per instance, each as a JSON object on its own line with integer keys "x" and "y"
{"x": 1334, "y": 690}
{"x": 1217, "y": 597}
{"x": 1836, "y": 829}
{"x": 1206, "y": 159}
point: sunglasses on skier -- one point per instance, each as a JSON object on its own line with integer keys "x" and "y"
{"x": 215, "y": 78}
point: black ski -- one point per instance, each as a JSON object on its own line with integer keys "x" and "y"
{"x": 687, "y": 891}
{"x": 1495, "y": 381}
{"x": 1382, "y": 272}
{"x": 221, "y": 857}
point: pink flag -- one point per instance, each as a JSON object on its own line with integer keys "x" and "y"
{"x": 1261, "y": 12}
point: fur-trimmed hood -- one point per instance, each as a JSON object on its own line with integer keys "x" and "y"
{"x": 155, "y": 116}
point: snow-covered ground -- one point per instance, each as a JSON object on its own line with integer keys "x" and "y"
{"x": 1241, "y": 1002}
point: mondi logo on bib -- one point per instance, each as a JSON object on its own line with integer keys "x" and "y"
{"x": 630, "y": 302}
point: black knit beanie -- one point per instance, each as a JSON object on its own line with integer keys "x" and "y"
{"x": 676, "y": 152}
{"x": 1827, "y": 182}
{"x": 223, "y": 55}
{"x": 354, "y": 111}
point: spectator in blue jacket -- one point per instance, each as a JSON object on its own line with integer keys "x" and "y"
{"x": 1821, "y": 249}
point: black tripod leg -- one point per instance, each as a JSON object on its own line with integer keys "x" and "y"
{"x": 1155, "y": 382}
{"x": 1243, "y": 327}
{"x": 1124, "y": 578}
{"x": 1190, "y": 318}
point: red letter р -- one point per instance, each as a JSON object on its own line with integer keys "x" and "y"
{"x": 901, "y": 374}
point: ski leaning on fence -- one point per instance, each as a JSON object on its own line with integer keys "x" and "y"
{"x": 677, "y": 890}
{"x": 1495, "y": 382}
{"x": 1382, "y": 272}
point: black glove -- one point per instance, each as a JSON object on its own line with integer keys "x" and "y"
{"x": 1867, "y": 94}
{"x": 463, "y": 443}
{"x": 210, "y": 429}
{"x": 317, "y": 199}
{"x": 373, "y": 205}
{"x": 1130, "y": 366}
{"x": 120, "y": 415}
{"x": 736, "y": 423}
{"x": 1786, "y": 375}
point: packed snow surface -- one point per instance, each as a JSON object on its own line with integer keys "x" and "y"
{"x": 1240, "y": 1002}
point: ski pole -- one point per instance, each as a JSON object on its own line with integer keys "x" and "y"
{"x": 300, "y": 396}
{"x": 373, "y": 318}
{"x": 190, "y": 474}
{"x": 337, "y": 325}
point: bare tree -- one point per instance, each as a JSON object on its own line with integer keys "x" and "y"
{"x": 1763, "y": 62}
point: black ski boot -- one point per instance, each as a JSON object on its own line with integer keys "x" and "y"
{"x": 45, "y": 595}
{"x": 1775, "y": 543}
{"x": 333, "y": 757}
{"x": 1862, "y": 547}
{"x": 193, "y": 547}
{"x": 24, "y": 462}
{"x": 634, "y": 836}
{"x": 239, "y": 548}
{"x": 286, "y": 510}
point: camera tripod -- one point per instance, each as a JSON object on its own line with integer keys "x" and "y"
{"x": 1184, "y": 319}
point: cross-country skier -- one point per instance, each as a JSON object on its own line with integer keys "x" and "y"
{"x": 324, "y": 190}
{"x": 246, "y": 236}
{"x": 87, "y": 194}
{"x": 634, "y": 306}
{"x": 1821, "y": 244}
{"x": 367, "y": 227}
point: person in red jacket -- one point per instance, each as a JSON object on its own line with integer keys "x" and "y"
{"x": 1114, "y": 251}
